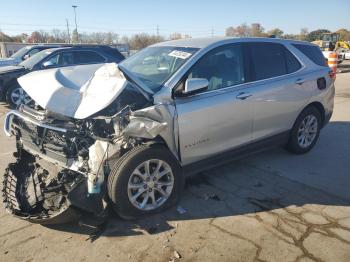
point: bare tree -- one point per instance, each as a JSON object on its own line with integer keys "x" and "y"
{"x": 303, "y": 34}
{"x": 276, "y": 32}
{"x": 257, "y": 30}
{"x": 242, "y": 30}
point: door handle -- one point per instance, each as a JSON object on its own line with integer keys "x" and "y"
{"x": 300, "y": 81}
{"x": 243, "y": 96}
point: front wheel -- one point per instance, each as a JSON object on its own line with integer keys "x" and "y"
{"x": 16, "y": 96}
{"x": 305, "y": 132}
{"x": 145, "y": 180}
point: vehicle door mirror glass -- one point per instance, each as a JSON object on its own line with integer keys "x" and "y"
{"x": 47, "y": 64}
{"x": 25, "y": 57}
{"x": 194, "y": 85}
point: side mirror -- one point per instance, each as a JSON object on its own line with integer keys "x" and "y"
{"x": 47, "y": 64}
{"x": 26, "y": 57}
{"x": 194, "y": 85}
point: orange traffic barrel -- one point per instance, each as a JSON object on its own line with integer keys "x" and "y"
{"x": 332, "y": 61}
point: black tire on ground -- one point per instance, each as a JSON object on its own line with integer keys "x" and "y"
{"x": 119, "y": 177}
{"x": 19, "y": 202}
{"x": 293, "y": 145}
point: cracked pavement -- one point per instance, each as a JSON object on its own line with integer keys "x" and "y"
{"x": 272, "y": 206}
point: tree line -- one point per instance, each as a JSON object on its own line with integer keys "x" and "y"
{"x": 257, "y": 30}
{"x": 142, "y": 40}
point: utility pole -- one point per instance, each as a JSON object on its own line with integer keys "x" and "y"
{"x": 157, "y": 31}
{"x": 68, "y": 31}
{"x": 75, "y": 19}
{"x": 212, "y": 31}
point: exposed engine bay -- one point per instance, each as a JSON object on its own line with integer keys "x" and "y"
{"x": 63, "y": 162}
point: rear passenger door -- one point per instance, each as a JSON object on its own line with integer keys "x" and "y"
{"x": 278, "y": 90}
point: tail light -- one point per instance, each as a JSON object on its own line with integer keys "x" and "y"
{"x": 332, "y": 74}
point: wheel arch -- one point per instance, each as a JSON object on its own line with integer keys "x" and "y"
{"x": 320, "y": 109}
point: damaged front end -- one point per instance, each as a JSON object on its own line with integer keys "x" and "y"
{"x": 62, "y": 162}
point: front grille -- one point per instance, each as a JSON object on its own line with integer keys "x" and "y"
{"x": 43, "y": 140}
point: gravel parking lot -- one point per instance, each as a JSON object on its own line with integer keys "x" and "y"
{"x": 273, "y": 206}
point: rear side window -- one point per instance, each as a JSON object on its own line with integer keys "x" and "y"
{"x": 272, "y": 60}
{"x": 88, "y": 57}
{"x": 292, "y": 63}
{"x": 313, "y": 53}
{"x": 115, "y": 53}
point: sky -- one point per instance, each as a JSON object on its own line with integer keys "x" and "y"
{"x": 194, "y": 17}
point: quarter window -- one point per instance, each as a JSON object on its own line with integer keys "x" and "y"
{"x": 222, "y": 67}
{"x": 313, "y": 53}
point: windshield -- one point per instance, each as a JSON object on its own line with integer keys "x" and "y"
{"x": 155, "y": 65}
{"x": 20, "y": 53}
{"x": 33, "y": 60}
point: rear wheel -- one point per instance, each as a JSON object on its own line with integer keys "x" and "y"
{"x": 145, "y": 180}
{"x": 305, "y": 132}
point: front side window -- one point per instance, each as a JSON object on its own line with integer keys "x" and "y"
{"x": 222, "y": 67}
{"x": 155, "y": 65}
{"x": 33, "y": 52}
{"x": 62, "y": 59}
{"x": 33, "y": 60}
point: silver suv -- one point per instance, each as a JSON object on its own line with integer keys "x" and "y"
{"x": 128, "y": 133}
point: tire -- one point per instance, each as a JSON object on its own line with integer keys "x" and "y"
{"x": 295, "y": 144}
{"x": 123, "y": 173}
{"x": 19, "y": 202}
{"x": 13, "y": 91}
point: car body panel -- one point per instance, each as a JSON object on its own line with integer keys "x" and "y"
{"x": 213, "y": 122}
{"x": 77, "y": 91}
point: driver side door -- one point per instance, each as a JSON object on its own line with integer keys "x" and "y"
{"x": 220, "y": 118}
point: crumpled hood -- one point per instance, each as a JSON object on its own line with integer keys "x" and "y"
{"x": 76, "y": 91}
{"x": 8, "y": 61}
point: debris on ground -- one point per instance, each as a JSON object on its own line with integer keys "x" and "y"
{"x": 212, "y": 197}
{"x": 181, "y": 210}
{"x": 177, "y": 254}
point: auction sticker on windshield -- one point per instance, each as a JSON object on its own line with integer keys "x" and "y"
{"x": 180, "y": 54}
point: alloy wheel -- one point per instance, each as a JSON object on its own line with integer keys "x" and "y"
{"x": 19, "y": 96}
{"x": 150, "y": 184}
{"x": 307, "y": 131}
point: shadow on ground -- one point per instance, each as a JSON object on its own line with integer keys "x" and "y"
{"x": 238, "y": 188}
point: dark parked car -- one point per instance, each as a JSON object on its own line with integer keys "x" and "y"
{"x": 25, "y": 53}
{"x": 14, "y": 95}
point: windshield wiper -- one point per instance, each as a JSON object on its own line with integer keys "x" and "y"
{"x": 144, "y": 90}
